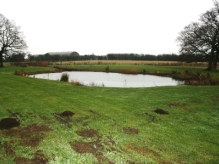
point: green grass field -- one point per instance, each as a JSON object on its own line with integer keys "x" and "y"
{"x": 108, "y": 125}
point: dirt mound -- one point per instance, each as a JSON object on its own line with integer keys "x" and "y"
{"x": 129, "y": 130}
{"x": 67, "y": 114}
{"x": 7, "y": 123}
{"x": 161, "y": 111}
{"x": 64, "y": 118}
{"x": 87, "y": 133}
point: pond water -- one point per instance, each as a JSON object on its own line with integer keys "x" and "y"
{"x": 112, "y": 79}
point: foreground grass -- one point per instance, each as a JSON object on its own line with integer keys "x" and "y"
{"x": 125, "y": 127}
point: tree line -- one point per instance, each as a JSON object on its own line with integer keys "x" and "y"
{"x": 21, "y": 57}
{"x": 119, "y": 56}
{"x": 198, "y": 41}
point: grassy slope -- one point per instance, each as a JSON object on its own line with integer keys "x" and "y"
{"x": 188, "y": 134}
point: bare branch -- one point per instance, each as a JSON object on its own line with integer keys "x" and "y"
{"x": 11, "y": 38}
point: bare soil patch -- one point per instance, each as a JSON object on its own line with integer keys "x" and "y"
{"x": 142, "y": 150}
{"x": 161, "y": 111}
{"x": 8, "y": 148}
{"x": 146, "y": 152}
{"x": 129, "y": 130}
{"x": 8, "y": 123}
{"x": 21, "y": 160}
{"x": 95, "y": 147}
{"x": 30, "y": 135}
{"x": 87, "y": 133}
{"x": 88, "y": 147}
{"x": 38, "y": 158}
{"x": 131, "y": 162}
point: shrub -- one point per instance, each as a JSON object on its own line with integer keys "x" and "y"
{"x": 64, "y": 77}
{"x": 107, "y": 69}
{"x": 18, "y": 73}
{"x": 21, "y": 73}
{"x": 186, "y": 72}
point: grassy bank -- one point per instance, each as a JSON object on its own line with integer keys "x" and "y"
{"x": 63, "y": 123}
{"x": 138, "y": 67}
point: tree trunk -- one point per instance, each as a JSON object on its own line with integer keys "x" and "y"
{"x": 215, "y": 62}
{"x": 209, "y": 65}
{"x": 210, "y": 62}
{"x": 1, "y": 59}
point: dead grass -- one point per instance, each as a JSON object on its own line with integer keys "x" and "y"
{"x": 77, "y": 83}
{"x": 145, "y": 152}
{"x": 132, "y": 62}
{"x": 130, "y": 71}
{"x": 41, "y": 64}
{"x": 129, "y": 130}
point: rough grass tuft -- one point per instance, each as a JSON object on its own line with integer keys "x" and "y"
{"x": 64, "y": 77}
{"x": 21, "y": 73}
{"x": 77, "y": 83}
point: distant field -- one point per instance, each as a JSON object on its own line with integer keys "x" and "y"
{"x": 59, "y": 122}
{"x": 133, "y": 62}
{"x": 137, "y": 67}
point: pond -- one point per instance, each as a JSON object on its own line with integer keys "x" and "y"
{"x": 112, "y": 79}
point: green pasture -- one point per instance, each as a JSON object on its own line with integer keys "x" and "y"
{"x": 109, "y": 125}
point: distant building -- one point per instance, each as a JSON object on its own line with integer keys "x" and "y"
{"x": 64, "y": 53}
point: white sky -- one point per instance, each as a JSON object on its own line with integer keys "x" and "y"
{"x": 103, "y": 26}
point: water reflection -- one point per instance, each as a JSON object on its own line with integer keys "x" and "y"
{"x": 113, "y": 79}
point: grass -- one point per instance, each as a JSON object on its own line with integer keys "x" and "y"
{"x": 127, "y": 130}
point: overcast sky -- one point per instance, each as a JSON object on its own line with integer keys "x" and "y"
{"x": 103, "y": 26}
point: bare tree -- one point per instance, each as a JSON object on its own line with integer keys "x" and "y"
{"x": 202, "y": 37}
{"x": 11, "y": 38}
